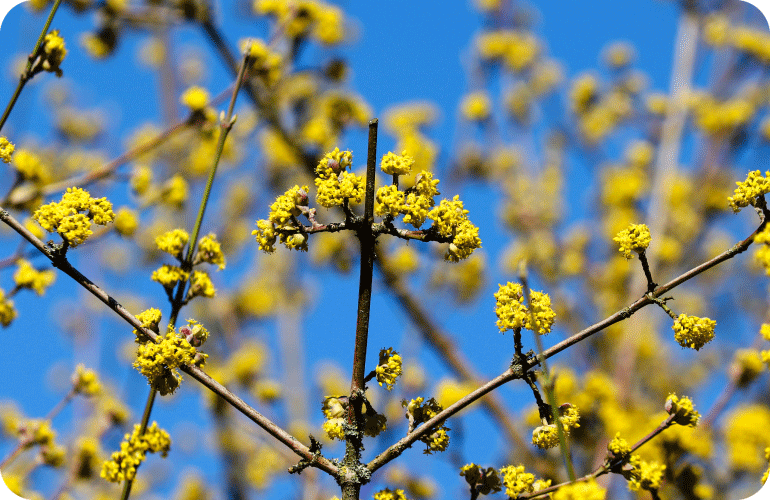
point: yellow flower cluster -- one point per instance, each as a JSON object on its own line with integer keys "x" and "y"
{"x": 683, "y": 410}
{"x": 692, "y": 331}
{"x": 86, "y": 382}
{"x": 718, "y": 32}
{"x": 716, "y": 117}
{"x": 210, "y": 251}
{"x": 476, "y": 107}
{"x": 518, "y": 50}
{"x": 6, "y": 150}
{"x": 196, "y": 98}
{"x": 335, "y": 184}
{"x": 581, "y": 490}
{"x": 547, "y": 436}
{"x": 394, "y": 164}
{"x": 27, "y": 276}
{"x": 636, "y": 237}
{"x": 282, "y": 211}
{"x": 201, "y": 285}
{"x": 133, "y": 450}
{"x": 747, "y": 191}
{"x": 7, "y": 311}
{"x": 126, "y": 221}
{"x": 389, "y": 367}
{"x": 172, "y": 242}
{"x": 54, "y": 52}
{"x": 150, "y": 319}
{"x": 513, "y": 313}
{"x": 420, "y": 411}
{"x": 323, "y": 22}
{"x": 30, "y": 166}
{"x": 169, "y": 276}
{"x": 516, "y": 481}
{"x": 334, "y": 411}
{"x": 450, "y": 219}
{"x": 64, "y": 217}
{"x": 485, "y": 481}
{"x": 388, "y": 494}
{"x": 619, "y": 446}
{"x": 645, "y": 475}
{"x": 159, "y": 362}
{"x": 265, "y": 63}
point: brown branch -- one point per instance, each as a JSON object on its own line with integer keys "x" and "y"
{"x": 195, "y": 372}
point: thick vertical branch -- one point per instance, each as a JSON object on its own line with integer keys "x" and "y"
{"x": 351, "y": 483}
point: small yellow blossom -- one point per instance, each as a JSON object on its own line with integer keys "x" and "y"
{"x": 286, "y": 205}
{"x": 645, "y": 475}
{"x": 394, "y": 164}
{"x": 64, "y": 217}
{"x": 545, "y": 436}
{"x": 636, "y": 237}
{"x": 335, "y": 184}
{"x": 265, "y": 235}
{"x": 201, "y": 285}
{"x": 389, "y": 367}
{"x": 683, "y": 410}
{"x": 150, "y": 319}
{"x": 692, "y": 331}
{"x": 619, "y": 446}
{"x": 210, "y": 251}
{"x": 513, "y": 313}
{"x": 86, "y": 382}
{"x": 485, "y": 481}
{"x": 54, "y": 52}
{"x": 175, "y": 191}
{"x": 126, "y": 221}
{"x": 133, "y": 450}
{"x": 172, "y": 242}
{"x": 419, "y": 411}
{"x": 159, "y": 362}
{"x": 6, "y": 150}
{"x": 196, "y": 98}
{"x": 169, "y": 276}
{"x": 749, "y": 190}
{"x": 7, "y": 311}
{"x": 516, "y": 481}
{"x": 335, "y": 428}
{"x": 388, "y": 494}
{"x": 27, "y": 276}
{"x": 581, "y": 490}
{"x": 476, "y": 107}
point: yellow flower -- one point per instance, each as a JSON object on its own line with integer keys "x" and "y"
{"x": 581, "y": 490}
{"x": 516, "y": 481}
{"x": 29, "y": 165}
{"x": 210, "y": 251}
{"x": 175, "y": 191}
{"x": 169, "y": 276}
{"x": 27, "y": 276}
{"x": 126, "y": 221}
{"x": 394, "y": 164}
{"x": 53, "y": 52}
{"x": 159, "y": 362}
{"x": 6, "y": 150}
{"x": 749, "y": 190}
{"x": 86, "y": 382}
{"x": 201, "y": 285}
{"x": 692, "y": 331}
{"x": 683, "y": 410}
{"x": 133, "y": 450}
{"x": 389, "y": 367}
{"x": 388, "y": 494}
{"x": 513, "y": 313}
{"x": 195, "y": 98}
{"x": 645, "y": 475}
{"x": 172, "y": 242}
{"x": 7, "y": 311}
{"x": 619, "y": 446}
{"x": 636, "y": 237}
{"x": 150, "y": 319}
{"x": 485, "y": 481}
{"x": 476, "y": 106}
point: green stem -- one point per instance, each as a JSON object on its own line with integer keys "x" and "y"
{"x": 143, "y": 427}
{"x": 25, "y": 77}
{"x": 548, "y": 382}
{"x": 225, "y": 125}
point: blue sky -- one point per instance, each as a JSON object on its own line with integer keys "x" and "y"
{"x": 403, "y": 51}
